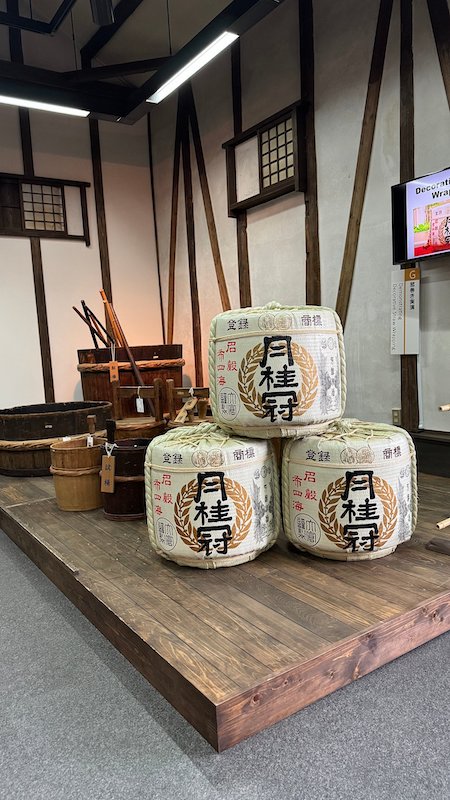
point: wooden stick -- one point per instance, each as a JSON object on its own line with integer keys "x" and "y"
{"x": 91, "y": 328}
{"x": 444, "y": 523}
{"x": 99, "y": 333}
{"x": 117, "y": 326}
{"x": 110, "y": 316}
{"x": 100, "y": 325}
{"x": 85, "y": 321}
{"x": 445, "y": 407}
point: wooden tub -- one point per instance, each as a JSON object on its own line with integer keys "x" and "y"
{"x": 26, "y": 433}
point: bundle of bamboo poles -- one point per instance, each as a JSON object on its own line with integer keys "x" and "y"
{"x": 112, "y": 337}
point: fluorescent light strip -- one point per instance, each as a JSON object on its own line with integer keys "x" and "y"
{"x": 193, "y": 66}
{"x": 17, "y": 101}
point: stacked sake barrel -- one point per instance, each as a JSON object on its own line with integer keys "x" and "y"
{"x": 212, "y": 499}
{"x": 349, "y": 489}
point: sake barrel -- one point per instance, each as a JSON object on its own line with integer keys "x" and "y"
{"x": 351, "y": 493}
{"x": 212, "y": 499}
{"x": 277, "y": 371}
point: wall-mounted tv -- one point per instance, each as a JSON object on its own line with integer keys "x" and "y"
{"x": 421, "y": 217}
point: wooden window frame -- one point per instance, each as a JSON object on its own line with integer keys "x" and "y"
{"x": 48, "y": 234}
{"x": 297, "y": 183}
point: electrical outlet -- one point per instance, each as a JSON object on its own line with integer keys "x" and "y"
{"x": 396, "y": 416}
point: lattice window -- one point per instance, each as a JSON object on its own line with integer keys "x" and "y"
{"x": 43, "y": 207}
{"x": 276, "y": 153}
{"x": 267, "y": 160}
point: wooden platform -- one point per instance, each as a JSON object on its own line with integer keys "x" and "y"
{"x": 235, "y": 650}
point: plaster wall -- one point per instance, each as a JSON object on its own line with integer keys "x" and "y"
{"x": 344, "y": 36}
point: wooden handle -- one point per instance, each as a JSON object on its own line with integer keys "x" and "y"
{"x": 444, "y": 523}
{"x": 445, "y": 407}
{"x": 110, "y": 430}
{"x": 91, "y": 421}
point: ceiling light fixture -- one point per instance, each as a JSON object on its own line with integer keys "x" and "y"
{"x": 36, "y": 104}
{"x": 211, "y": 51}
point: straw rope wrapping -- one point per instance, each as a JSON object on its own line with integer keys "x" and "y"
{"x": 216, "y": 436}
{"x": 345, "y": 430}
{"x": 329, "y": 501}
{"x": 241, "y": 526}
{"x": 273, "y": 306}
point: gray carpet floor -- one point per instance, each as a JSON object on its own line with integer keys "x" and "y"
{"x": 79, "y": 723}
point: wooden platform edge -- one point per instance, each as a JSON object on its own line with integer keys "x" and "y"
{"x": 195, "y": 707}
{"x": 277, "y": 698}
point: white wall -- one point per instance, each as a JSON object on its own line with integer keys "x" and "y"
{"x": 61, "y": 149}
{"x": 432, "y": 153}
{"x": 344, "y": 36}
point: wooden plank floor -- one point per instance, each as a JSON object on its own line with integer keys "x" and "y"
{"x": 236, "y": 650}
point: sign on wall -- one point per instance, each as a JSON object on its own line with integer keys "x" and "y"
{"x": 405, "y": 304}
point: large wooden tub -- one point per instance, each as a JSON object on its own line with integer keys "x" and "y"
{"x": 26, "y": 433}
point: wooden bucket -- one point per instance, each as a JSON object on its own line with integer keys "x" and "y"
{"x": 127, "y": 502}
{"x": 153, "y": 361}
{"x": 27, "y": 432}
{"x": 75, "y": 469}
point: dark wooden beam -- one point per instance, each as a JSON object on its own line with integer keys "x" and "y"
{"x": 364, "y": 155}
{"x": 409, "y": 383}
{"x": 173, "y": 225}
{"x": 16, "y": 21}
{"x": 100, "y": 207}
{"x": 207, "y": 203}
{"x": 115, "y": 70}
{"x": 16, "y": 52}
{"x": 100, "y": 39}
{"x": 245, "y": 292}
{"x": 155, "y": 222}
{"x": 440, "y": 22}
{"x": 190, "y": 233}
{"x": 306, "y": 23}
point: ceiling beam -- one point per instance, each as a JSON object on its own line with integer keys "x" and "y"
{"x": 237, "y": 17}
{"x": 123, "y": 10}
{"x": 33, "y": 83}
{"x": 37, "y": 25}
{"x": 115, "y": 70}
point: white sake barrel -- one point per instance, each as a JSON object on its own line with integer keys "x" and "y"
{"x": 212, "y": 500}
{"x": 277, "y": 371}
{"x": 350, "y": 494}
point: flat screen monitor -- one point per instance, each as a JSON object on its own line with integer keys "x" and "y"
{"x": 421, "y": 217}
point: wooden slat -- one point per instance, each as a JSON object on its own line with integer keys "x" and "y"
{"x": 409, "y": 383}
{"x": 15, "y": 44}
{"x": 306, "y": 39}
{"x": 245, "y": 292}
{"x": 127, "y": 547}
{"x": 155, "y": 223}
{"x": 190, "y": 233}
{"x": 440, "y": 22}
{"x": 123, "y": 10}
{"x": 173, "y": 225}
{"x": 100, "y": 208}
{"x": 265, "y": 704}
{"x": 207, "y": 203}
{"x": 363, "y": 161}
{"x": 235, "y": 650}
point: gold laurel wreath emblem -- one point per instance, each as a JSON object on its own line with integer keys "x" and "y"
{"x": 334, "y": 531}
{"x": 252, "y": 399}
{"x": 188, "y": 532}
